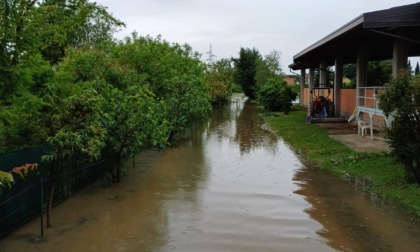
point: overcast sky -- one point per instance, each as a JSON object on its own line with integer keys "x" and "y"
{"x": 288, "y": 26}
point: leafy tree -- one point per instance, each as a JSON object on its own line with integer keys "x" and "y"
{"x": 417, "y": 69}
{"x": 29, "y": 28}
{"x": 132, "y": 116}
{"x": 16, "y": 36}
{"x": 72, "y": 116}
{"x": 32, "y": 32}
{"x": 349, "y": 71}
{"x": 21, "y": 113}
{"x": 74, "y": 127}
{"x": 402, "y": 100}
{"x": 271, "y": 90}
{"x": 72, "y": 23}
{"x": 272, "y": 61}
{"x": 16, "y": 42}
{"x": 246, "y": 70}
{"x": 135, "y": 121}
{"x": 219, "y": 78}
{"x": 267, "y": 69}
{"x": 409, "y": 68}
{"x": 378, "y": 73}
{"x": 174, "y": 74}
{"x": 263, "y": 74}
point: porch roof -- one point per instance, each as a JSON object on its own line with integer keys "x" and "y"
{"x": 375, "y": 30}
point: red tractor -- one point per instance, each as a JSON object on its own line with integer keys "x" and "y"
{"x": 321, "y": 106}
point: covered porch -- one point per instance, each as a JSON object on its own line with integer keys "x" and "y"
{"x": 390, "y": 34}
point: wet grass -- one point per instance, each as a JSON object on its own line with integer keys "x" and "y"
{"x": 317, "y": 149}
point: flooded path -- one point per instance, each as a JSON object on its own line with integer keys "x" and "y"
{"x": 231, "y": 186}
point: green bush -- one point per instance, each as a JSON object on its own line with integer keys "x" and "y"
{"x": 402, "y": 101}
{"x": 276, "y": 95}
{"x": 236, "y": 88}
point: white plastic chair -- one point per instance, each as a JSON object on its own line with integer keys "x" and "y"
{"x": 362, "y": 127}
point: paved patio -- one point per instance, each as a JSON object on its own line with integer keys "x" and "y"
{"x": 347, "y": 134}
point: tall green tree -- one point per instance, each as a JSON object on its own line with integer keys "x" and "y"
{"x": 417, "y": 69}
{"x": 34, "y": 34}
{"x": 21, "y": 113}
{"x": 73, "y": 123}
{"x": 135, "y": 121}
{"x": 73, "y": 23}
{"x": 246, "y": 70}
{"x": 349, "y": 71}
{"x": 268, "y": 68}
{"x": 17, "y": 39}
{"x": 379, "y": 73}
{"x": 271, "y": 90}
{"x": 219, "y": 78}
{"x": 402, "y": 101}
{"x": 32, "y": 27}
{"x": 409, "y": 67}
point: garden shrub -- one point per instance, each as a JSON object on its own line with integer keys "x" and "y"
{"x": 276, "y": 95}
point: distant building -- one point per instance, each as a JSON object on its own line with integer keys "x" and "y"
{"x": 290, "y": 80}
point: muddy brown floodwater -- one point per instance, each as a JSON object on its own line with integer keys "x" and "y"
{"x": 230, "y": 186}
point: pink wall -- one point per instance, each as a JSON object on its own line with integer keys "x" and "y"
{"x": 348, "y": 102}
{"x": 348, "y": 105}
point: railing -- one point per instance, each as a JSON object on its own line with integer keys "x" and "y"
{"x": 368, "y": 99}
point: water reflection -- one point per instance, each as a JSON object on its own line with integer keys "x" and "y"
{"x": 247, "y": 201}
{"x": 351, "y": 221}
{"x": 248, "y": 130}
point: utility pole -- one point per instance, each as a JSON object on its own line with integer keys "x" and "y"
{"x": 210, "y": 60}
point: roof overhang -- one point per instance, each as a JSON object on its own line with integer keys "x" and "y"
{"x": 376, "y": 31}
{"x": 407, "y": 15}
{"x": 337, "y": 33}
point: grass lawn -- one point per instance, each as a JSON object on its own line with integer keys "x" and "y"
{"x": 384, "y": 175}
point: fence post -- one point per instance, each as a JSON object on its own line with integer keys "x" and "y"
{"x": 42, "y": 209}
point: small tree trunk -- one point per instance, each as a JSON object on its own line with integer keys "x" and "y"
{"x": 116, "y": 171}
{"x": 118, "y": 168}
{"x": 50, "y": 201}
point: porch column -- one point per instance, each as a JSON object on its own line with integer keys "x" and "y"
{"x": 400, "y": 56}
{"x": 302, "y": 86}
{"x": 338, "y": 81}
{"x": 361, "y": 76}
{"x": 323, "y": 74}
{"x": 310, "y": 84}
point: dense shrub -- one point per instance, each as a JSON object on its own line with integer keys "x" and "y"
{"x": 402, "y": 101}
{"x": 276, "y": 95}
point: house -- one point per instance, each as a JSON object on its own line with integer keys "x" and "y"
{"x": 290, "y": 80}
{"x": 390, "y": 34}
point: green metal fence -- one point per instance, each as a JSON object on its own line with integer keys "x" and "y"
{"x": 27, "y": 198}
